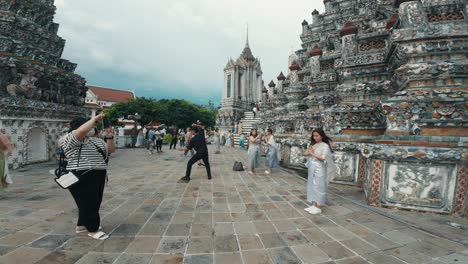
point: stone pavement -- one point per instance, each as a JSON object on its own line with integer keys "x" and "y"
{"x": 235, "y": 218}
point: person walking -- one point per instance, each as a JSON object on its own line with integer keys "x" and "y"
{"x": 254, "y": 150}
{"x": 151, "y": 140}
{"x": 271, "y": 153}
{"x": 5, "y": 149}
{"x": 181, "y": 138}
{"x": 241, "y": 141}
{"x": 198, "y": 142}
{"x": 174, "y": 135}
{"x": 321, "y": 170}
{"x": 228, "y": 139}
{"x": 87, "y": 159}
{"x": 159, "y": 140}
{"x": 217, "y": 141}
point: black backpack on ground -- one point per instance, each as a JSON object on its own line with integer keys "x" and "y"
{"x": 238, "y": 166}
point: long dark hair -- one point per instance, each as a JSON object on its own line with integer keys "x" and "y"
{"x": 325, "y": 138}
{"x": 252, "y": 130}
{"x": 270, "y": 130}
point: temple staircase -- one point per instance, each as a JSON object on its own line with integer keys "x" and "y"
{"x": 248, "y": 123}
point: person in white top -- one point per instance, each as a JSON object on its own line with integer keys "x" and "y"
{"x": 321, "y": 169}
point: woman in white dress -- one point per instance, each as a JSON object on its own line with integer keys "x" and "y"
{"x": 254, "y": 150}
{"x": 271, "y": 151}
{"x": 321, "y": 169}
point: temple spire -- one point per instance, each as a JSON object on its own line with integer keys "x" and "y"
{"x": 247, "y": 39}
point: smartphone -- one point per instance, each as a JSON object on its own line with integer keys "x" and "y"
{"x": 105, "y": 122}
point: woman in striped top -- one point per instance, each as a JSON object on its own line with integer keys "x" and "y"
{"x": 87, "y": 157}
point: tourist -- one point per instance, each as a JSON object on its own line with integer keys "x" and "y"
{"x": 254, "y": 150}
{"x": 254, "y": 111}
{"x": 87, "y": 159}
{"x": 217, "y": 141}
{"x": 241, "y": 141}
{"x": 232, "y": 140}
{"x": 241, "y": 126}
{"x": 159, "y": 140}
{"x": 140, "y": 138}
{"x": 236, "y": 126}
{"x": 5, "y": 149}
{"x": 181, "y": 138}
{"x": 188, "y": 137}
{"x": 174, "y": 135}
{"x": 321, "y": 169}
{"x": 271, "y": 151}
{"x": 151, "y": 140}
{"x": 228, "y": 139}
{"x": 198, "y": 142}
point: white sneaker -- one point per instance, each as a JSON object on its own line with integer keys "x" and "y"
{"x": 309, "y": 208}
{"x": 315, "y": 210}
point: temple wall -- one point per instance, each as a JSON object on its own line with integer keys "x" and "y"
{"x": 387, "y": 81}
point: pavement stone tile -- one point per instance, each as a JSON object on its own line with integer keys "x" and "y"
{"x": 114, "y": 244}
{"x": 153, "y": 229}
{"x": 24, "y": 255}
{"x": 408, "y": 255}
{"x": 359, "y": 246}
{"x": 264, "y": 227}
{"x": 202, "y": 230}
{"x": 203, "y": 218}
{"x": 60, "y": 257}
{"x": 353, "y": 260}
{"x": 182, "y": 218}
{"x": 338, "y": 233}
{"x": 335, "y": 250}
{"x": 18, "y": 239}
{"x": 134, "y": 259}
{"x": 382, "y": 258}
{"x": 81, "y": 244}
{"x": 272, "y": 240}
{"x": 231, "y": 258}
{"x": 95, "y": 257}
{"x": 380, "y": 241}
{"x": 143, "y": 245}
{"x": 310, "y": 254}
{"x": 223, "y": 229}
{"x": 161, "y": 217}
{"x": 226, "y": 244}
{"x": 455, "y": 259}
{"x": 316, "y": 236}
{"x": 127, "y": 230}
{"x": 172, "y": 245}
{"x": 199, "y": 259}
{"x": 294, "y": 238}
{"x": 245, "y": 228}
{"x": 303, "y": 223}
{"x": 284, "y": 225}
{"x": 5, "y": 249}
{"x": 428, "y": 249}
{"x": 50, "y": 241}
{"x": 199, "y": 245}
{"x": 283, "y": 255}
{"x": 178, "y": 230}
{"x": 222, "y": 217}
{"x": 167, "y": 259}
{"x": 249, "y": 242}
{"x": 256, "y": 257}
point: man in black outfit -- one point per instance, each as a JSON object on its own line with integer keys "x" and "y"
{"x": 198, "y": 143}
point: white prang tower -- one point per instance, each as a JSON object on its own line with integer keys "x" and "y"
{"x": 242, "y": 88}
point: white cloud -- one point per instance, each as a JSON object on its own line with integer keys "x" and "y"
{"x": 178, "y": 42}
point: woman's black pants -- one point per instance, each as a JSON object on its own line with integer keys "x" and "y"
{"x": 159, "y": 145}
{"x": 88, "y": 197}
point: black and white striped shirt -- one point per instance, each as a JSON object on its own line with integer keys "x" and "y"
{"x": 90, "y": 158}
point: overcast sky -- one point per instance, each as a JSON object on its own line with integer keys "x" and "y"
{"x": 177, "y": 48}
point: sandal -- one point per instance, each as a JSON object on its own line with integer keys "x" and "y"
{"x": 99, "y": 236}
{"x": 85, "y": 230}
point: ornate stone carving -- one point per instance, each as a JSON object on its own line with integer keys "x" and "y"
{"x": 26, "y": 87}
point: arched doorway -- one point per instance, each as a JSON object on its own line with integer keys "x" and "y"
{"x": 37, "y": 145}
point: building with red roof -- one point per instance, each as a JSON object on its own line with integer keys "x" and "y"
{"x": 98, "y": 98}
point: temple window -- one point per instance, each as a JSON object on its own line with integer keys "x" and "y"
{"x": 372, "y": 45}
{"x": 450, "y": 16}
{"x": 327, "y": 65}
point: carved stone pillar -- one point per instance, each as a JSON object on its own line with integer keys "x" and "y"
{"x": 412, "y": 15}
{"x": 348, "y": 40}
